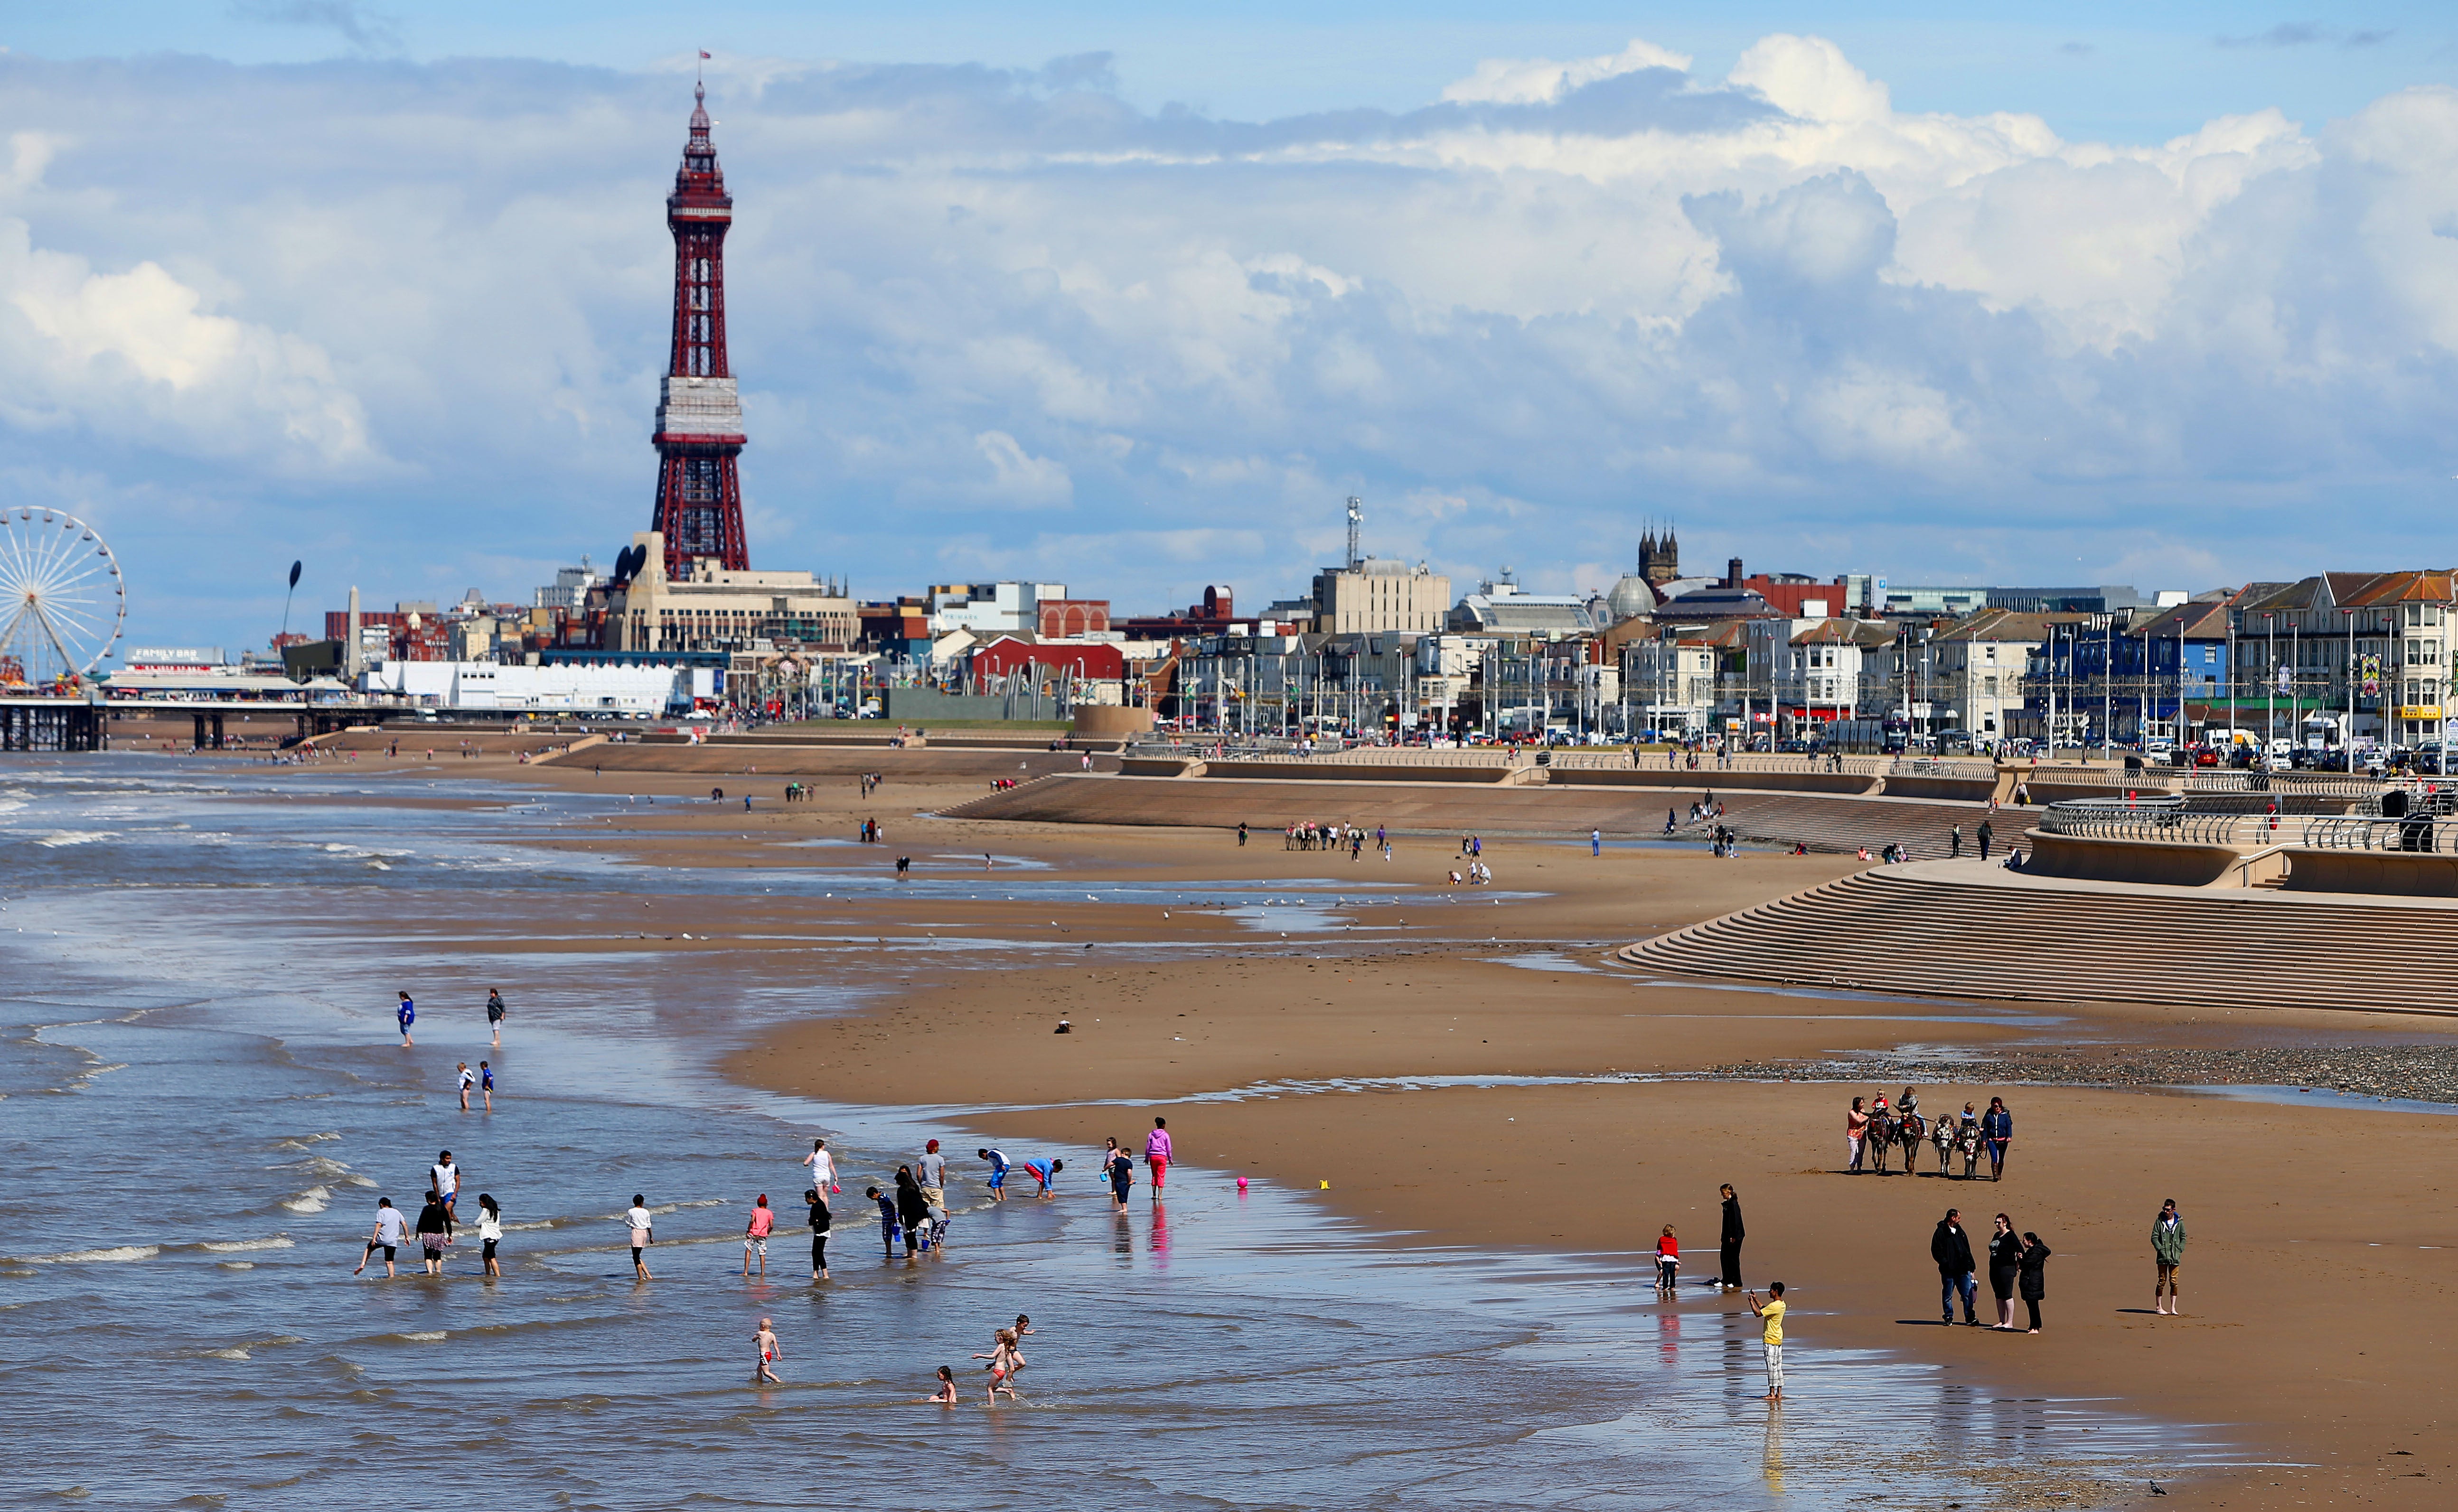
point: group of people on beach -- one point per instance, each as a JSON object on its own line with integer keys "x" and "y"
{"x": 1873, "y": 1126}
{"x": 437, "y": 1227}
{"x": 2017, "y": 1263}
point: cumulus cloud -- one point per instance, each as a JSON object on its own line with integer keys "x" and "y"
{"x": 1542, "y": 81}
{"x": 415, "y": 314}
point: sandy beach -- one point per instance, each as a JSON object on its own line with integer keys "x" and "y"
{"x": 2317, "y": 1283}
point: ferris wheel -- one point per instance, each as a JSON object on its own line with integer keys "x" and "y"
{"x": 61, "y": 600}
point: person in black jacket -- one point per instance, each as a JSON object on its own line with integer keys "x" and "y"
{"x": 1731, "y": 1239}
{"x": 1951, "y": 1249}
{"x": 2034, "y": 1274}
{"x": 911, "y": 1208}
{"x": 2004, "y": 1260}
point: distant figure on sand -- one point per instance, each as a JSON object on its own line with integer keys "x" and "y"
{"x": 2004, "y": 1265}
{"x": 2168, "y": 1248}
{"x": 1855, "y": 1129}
{"x": 1772, "y": 1311}
{"x": 407, "y": 1014}
{"x": 1731, "y": 1239}
{"x": 1997, "y": 1131}
{"x": 2034, "y": 1282}
{"x": 1951, "y": 1249}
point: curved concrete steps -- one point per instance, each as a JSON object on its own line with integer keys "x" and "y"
{"x": 1908, "y": 931}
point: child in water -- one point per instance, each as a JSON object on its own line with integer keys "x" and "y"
{"x": 1004, "y": 1361}
{"x": 765, "y": 1343}
{"x": 946, "y": 1392}
{"x": 1668, "y": 1260}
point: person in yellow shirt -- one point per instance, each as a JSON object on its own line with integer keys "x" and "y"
{"x": 1772, "y": 1311}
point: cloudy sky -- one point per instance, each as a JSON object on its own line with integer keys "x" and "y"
{"x": 1132, "y": 301}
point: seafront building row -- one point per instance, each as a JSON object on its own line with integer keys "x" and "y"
{"x": 1377, "y": 648}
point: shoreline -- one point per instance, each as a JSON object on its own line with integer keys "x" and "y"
{"x": 1594, "y": 1169}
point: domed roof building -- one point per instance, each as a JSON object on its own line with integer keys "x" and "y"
{"x": 1630, "y": 598}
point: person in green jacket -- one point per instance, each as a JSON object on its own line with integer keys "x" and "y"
{"x": 2168, "y": 1246}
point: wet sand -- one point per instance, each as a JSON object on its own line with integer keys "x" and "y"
{"x": 2318, "y": 1284}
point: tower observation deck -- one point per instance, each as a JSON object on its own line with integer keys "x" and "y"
{"x": 700, "y": 414}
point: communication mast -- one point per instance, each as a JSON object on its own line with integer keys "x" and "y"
{"x": 1356, "y": 518}
{"x": 699, "y": 413}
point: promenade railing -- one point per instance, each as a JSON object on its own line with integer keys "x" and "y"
{"x": 2422, "y": 833}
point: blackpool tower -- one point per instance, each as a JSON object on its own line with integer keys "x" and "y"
{"x": 700, "y": 415}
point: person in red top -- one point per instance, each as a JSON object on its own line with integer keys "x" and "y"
{"x": 755, "y": 1234}
{"x": 1668, "y": 1260}
{"x": 1156, "y": 1154}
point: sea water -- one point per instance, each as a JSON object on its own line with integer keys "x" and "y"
{"x": 204, "y": 1096}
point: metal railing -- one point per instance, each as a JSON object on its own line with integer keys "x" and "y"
{"x": 2417, "y": 833}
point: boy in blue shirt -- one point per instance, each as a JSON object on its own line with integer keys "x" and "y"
{"x": 889, "y": 1231}
{"x": 998, "y": 1172}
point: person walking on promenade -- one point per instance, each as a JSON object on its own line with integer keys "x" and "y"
{"x": 1954, "y": 843}
{"x": 1667, "y": 1261}
{"x": 491, "y": 1233}
{"x": 495, "y": 1015}
{"x": 1986, "y": 832}
{"x": 2005, "y": 1264}
{"x": 820, "y": 1220}
{"x": 2168, "y": 1248}
{"x": 1156, "y": 1154}
{"x": 1997, "y": 1131}
{"x": 755, "y": 1234}
{"x": 2034, "y": 1276}
{"x": 637, "y": 1219}
{"x": 1772, "y": 1311}
{"x": 1855, "y": 1129}
{"x": 1951, "y": 1249}
{"x": 406, "y": 1015}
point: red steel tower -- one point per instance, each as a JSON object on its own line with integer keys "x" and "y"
{"x": 700, "y": 415}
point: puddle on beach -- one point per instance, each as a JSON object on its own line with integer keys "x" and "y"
{"x": 1229, "y": 1350}
{"x": 2320, "y": 1097}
